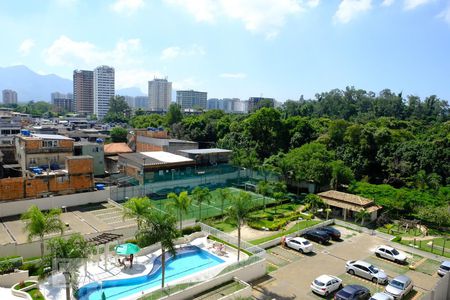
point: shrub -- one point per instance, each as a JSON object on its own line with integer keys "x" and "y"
{"x": 33, "y": 268}
{"x": 397, "y": 239}
{"x": 191, "y": 229}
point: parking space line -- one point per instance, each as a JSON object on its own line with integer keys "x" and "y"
{"x": 291, "y": 251}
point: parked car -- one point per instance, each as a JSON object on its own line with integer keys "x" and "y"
{"x": 326, "y": 284}
{"x": 353, "y": 292}
{"x": 381, "y": 296}
{"x": 366, "y": 270}
{"x": 391, "y": 253}
{"x": 300, "y": 244}
{"x": 399, "y": 287}
{"x": 444, "y": 268}
{"x": 317, "y": 236}
{"x": 332, "y": 232}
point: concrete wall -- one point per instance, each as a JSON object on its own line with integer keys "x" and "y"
{"x": 441, "y": 291}
{"x": 277, "y": 241}
{"x": 8, "y": 280}
{"x": 11, "y": 208}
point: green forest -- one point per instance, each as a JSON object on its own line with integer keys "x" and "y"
{"x": 384, "y": 145}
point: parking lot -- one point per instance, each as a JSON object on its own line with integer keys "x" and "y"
{"x": 293, "y": 272}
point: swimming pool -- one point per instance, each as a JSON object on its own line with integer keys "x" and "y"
{"x": 189, "y": 260}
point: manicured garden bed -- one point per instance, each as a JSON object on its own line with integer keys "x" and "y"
{"x": 299, "y": 226}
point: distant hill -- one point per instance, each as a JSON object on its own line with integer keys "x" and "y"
{"x": 30, "y": 85}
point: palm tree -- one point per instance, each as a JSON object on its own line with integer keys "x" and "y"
{"x": 314, "y": 202}
{"x": 362, "y": 215}
{"x": 201, "y": 195}
{"x": 39, "y": 224}
{"x": 389, "y": 228}
{"x": 182, "y": 202}
{"x": 328, "y": 211}
{"x": 224, "y": 195}
{"x": 241, "y": 206}
{"x": 279, "y": 197}
{"x": 71, "y": 251}
{"x": 263, "y": 188}
{"x": 160, "y": 228}
{"x": 137, "y": 207}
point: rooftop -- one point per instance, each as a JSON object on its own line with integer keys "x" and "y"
{"x": 115, "y": 148}
{"x": 205, "y": 151}
{"x": 345, "y": 197}
{"x": 156, "y": 158}
{"x": 49, "y": 136}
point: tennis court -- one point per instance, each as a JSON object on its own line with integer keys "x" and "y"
{"x": 213, "y": 208}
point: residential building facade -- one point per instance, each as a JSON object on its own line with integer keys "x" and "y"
{"x": 159, "y": 94}
{"x": 192, "y": 99}
{"x": 104, "y": 89}
{"x": 9, "y": 97}
{"x": 83, "y": 92}
{"x": 62, "y": 102}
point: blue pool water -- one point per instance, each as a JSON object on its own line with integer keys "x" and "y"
{"x": 189, "y": 260}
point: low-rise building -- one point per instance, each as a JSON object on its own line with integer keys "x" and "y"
{"x": 96, "y": 151}
{"x": 212, "y": 156}
{"x": 112, "y": 151}
{"x": 42, "y": 151}
{"x": 348, "y": 205}
{"x": 158, "y": 140}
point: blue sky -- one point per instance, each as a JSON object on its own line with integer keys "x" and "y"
{"x": 238, "y": 48}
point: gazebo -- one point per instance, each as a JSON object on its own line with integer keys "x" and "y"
{"x": 104, "y": 239}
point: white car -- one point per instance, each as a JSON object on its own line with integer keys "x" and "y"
{"x": 326, "y": 284}
{"x": 300, "y": 244}
{"x": 391, "y": 253}
{"x": 444, "y": 268}
{"x": 381, "y": 296}
{"x": 399, "y": 287}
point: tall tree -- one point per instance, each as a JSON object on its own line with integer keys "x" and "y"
{"x": 340, "y": 174}
{"x": 223, "y": 195}
{"x": 119, "y": 135}
{"x": 138, "y": 208}
{"x": 160, "y": 228}
{"x": 201, "y": 196}
{"x": 72, "y": 252}
{"x": 38, "y": 223}
{"x": 119, "y": 111}
{"x": 239, "y": 211}
{"x": 181, "y": 203}
{"x": 174, "y": 114}
{"x": 314, "y": 202}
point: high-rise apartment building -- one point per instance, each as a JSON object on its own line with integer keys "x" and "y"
{"x": 255, "y": 103}
{"x": 62, "y": 102}
{"x": 9, "y": 97}
{"x": 83, "y": 92}
{"x": 159, "y": 94}
{"x": 192, "y": 99}
{"x": 104, "y": 89}
{"x": 141, "y": 102}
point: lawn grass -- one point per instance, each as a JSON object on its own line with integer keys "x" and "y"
{"x": 25, "y": 284}
{"x": 430, "y": 267}
{"x": 36, "y": 294}
{"x": 437, "y": 249}
{"x": 212, "y": 209}
{"x": 299, "y": 226}
{"x": 225, "y": 225}
{"x": 167, "y": 291}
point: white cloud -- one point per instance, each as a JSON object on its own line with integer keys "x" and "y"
{"x": 233, "y": 75}
{"x": 67, "y": 52}
{"x": 445, "y": 15}
{"x": 186, "y": 84}
{"x": 125, "y": 57}
{"x": 265, "y": 17}
{"x": 348, "y": 9}
{"x": 412, "y": 4}
{"x": 387, "y": 3}
{"x": 26, "y": 46}
{"x": 175, "y": 52}
{"x": 127, "y": 7}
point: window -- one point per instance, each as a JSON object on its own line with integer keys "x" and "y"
{"x": 49, "y": 144}
{"x": 32, "y": 161}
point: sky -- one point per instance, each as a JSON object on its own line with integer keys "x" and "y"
{"x": 238, "y": 48}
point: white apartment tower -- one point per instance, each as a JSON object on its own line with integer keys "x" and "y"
{"x": 104, "y": 89}
{"x": 159, "y": 94}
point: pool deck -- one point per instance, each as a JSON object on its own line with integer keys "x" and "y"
{"x": 142, "y": 265}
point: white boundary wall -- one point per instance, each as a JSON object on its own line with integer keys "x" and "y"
{"x": 17, "y": 207}
{"x": 8, "y": 280}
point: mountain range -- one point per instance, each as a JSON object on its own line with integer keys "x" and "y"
{"x": 30, "y": 85}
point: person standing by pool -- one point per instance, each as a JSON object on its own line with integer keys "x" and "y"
{"x": 131, "y": 260}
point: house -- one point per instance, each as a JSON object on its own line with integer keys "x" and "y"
{"x": 96, "y": 151}
{"x": 112, "y": 152}
{"x": 210, "y": 156}
{"x": 348, "y": 205}
{"x": 158, "y": 140}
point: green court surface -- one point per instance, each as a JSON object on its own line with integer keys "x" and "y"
{"x": 213, "y": 208}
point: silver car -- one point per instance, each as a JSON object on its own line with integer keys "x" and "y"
{"x": 366, "y": 270}
{"x": 399, "y": 287}
{"x": 444, "y": 268}
{"x": 381, "y": 296}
